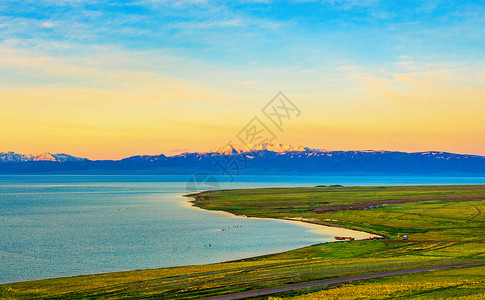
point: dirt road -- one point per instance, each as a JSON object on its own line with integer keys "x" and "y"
{"x": 313, "y": 284}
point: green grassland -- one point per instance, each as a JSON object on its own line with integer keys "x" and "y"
{"x": 463, "y": 283}
{"x": 451, "y": 213}
{"x": 446, "y": 228}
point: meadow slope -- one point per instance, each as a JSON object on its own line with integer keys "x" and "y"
{"x": 445, "y": 226}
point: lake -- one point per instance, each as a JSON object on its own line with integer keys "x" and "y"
{"x": 61, "y": 225}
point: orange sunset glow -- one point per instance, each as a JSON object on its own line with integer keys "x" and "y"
{"x": 367, "y": 85}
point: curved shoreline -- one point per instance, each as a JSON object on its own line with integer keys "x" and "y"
{"x": 327, "y": 230}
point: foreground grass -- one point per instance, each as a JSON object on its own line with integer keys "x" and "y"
{"x": 441, "y": 232}
{"x": 464, "y": 283}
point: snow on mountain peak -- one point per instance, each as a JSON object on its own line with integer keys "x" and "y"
{"x": 278, "y": 148}
{"x": 44, "y": 156}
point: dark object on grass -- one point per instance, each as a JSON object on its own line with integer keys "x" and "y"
{"x": 344, "y": 238}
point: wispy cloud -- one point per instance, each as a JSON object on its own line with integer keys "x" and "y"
{"x": 183, "y": 65}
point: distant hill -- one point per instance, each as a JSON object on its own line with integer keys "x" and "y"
{"x": 6, "y": 157}
{"x": 262, "y": 158}
{"x": 279, "y": 148}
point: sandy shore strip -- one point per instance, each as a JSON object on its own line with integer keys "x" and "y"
{"x": 325, "y": 230}
{"x": 332, "y": 230}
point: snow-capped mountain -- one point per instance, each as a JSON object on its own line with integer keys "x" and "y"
{"x": 265, "y": 158}
{"x": 44, "y": 156}
{"x": 278, "y": 148}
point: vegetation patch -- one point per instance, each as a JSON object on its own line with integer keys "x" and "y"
{"x": 441, "y": 232}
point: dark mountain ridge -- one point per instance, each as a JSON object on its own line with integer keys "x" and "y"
{"x": 274, "y": 159}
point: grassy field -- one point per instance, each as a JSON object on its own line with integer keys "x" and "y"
{"x": 464, "y": 283}
{"x": 435, "y": 213}
{"x": 445, "y": 227}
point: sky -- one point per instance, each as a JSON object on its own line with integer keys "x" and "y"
{"x": 112, "y": 79}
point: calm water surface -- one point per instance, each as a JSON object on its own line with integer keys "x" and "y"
{"x": 52, "y": 226}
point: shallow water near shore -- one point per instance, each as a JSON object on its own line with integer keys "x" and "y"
{"x": 54, "y": 226}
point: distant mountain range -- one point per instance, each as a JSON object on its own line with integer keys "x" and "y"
{"x": 263, "y": 158}
{"x": 6, "y": 157}
{"x": 278, "y": 148}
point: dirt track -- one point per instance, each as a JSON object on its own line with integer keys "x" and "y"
{"x": 364, "y": 205}
{"x": 313, "y": 284}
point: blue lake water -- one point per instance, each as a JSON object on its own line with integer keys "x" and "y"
{"x": 53, "y": 226}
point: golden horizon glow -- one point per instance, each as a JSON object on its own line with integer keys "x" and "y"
{"x": 110, "y": 98}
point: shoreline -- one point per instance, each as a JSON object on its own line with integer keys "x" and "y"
{"x": 321, "y": 229}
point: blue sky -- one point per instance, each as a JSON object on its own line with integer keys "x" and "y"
{"x": 213, "y": 58}
{"x": 239, "y": 32}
